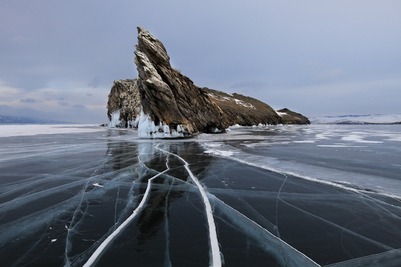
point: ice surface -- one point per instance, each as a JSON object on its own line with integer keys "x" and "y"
{"x": 321, "y": 137}
{"x": 388, "y": 258}
{"x": 315, "y": 195}
{"x": 35, "y": 129}
{"x": 289, "y": 256}
{"x": 359, "y": 139}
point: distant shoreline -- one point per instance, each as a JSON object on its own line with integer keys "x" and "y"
{"x": 359, "y": 123}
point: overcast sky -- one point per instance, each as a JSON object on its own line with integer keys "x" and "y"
{"x": 58, "y": 58}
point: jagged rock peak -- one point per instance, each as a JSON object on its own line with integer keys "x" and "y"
{"x": 152, "y": 47}
{"x": 168, "y": 97}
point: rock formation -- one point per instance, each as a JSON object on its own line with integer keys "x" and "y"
{"x": 162, "y": 102}
{"x": 291, "y": 117}
{"x": 124, "y": 104}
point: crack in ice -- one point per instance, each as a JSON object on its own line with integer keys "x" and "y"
{"x": 269, "y": 242}
{"x": 74, "y": 224}
{"x": 214, "y": 244}
{"x": 355, "y": 234}
{"x": 276, "y": 227}
{"x": 94, "y": 257}
{"x": 166, "y": 228}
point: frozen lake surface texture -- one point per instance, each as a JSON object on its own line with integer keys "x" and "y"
{"x": 318, "y": 195}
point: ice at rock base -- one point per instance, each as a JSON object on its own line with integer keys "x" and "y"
{"x": 115, "y": 119}
{"x": 148, "y": 129}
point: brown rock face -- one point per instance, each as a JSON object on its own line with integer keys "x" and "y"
{"x": 167, "y": 95}
{"x": 243, "y": 110}
{"x": 162, "y": 100}
{"x": 291, "y": 117}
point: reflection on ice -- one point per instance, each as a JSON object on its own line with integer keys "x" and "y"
{"x": 261, "y": 196}
{"x": 213, "y": 241}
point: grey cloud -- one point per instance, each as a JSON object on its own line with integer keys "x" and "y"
{"x": 61, "y": 41}
{"x": 78, "y": 106}
{"x": 63, "y": 103}
{"x": 28, "y": 100}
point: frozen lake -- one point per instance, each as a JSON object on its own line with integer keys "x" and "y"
{"x": 318, "y": 195}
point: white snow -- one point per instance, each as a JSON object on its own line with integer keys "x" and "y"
{"x": 281, "y": 113}
{"x": 232, "y": 98}
{"x": 219, "y": 152}
{"x": 242, "y": 103}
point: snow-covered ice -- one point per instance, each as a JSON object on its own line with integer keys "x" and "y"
{"x": 7, "y": 130}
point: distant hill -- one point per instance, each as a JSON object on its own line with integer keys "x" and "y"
{"x": 26, "y": 120}
{"x": 359, "y": 119}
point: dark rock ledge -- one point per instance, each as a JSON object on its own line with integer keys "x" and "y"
{"x": 163, "y": 103}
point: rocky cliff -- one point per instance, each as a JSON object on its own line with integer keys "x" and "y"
{"x": 162, "y": 102}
